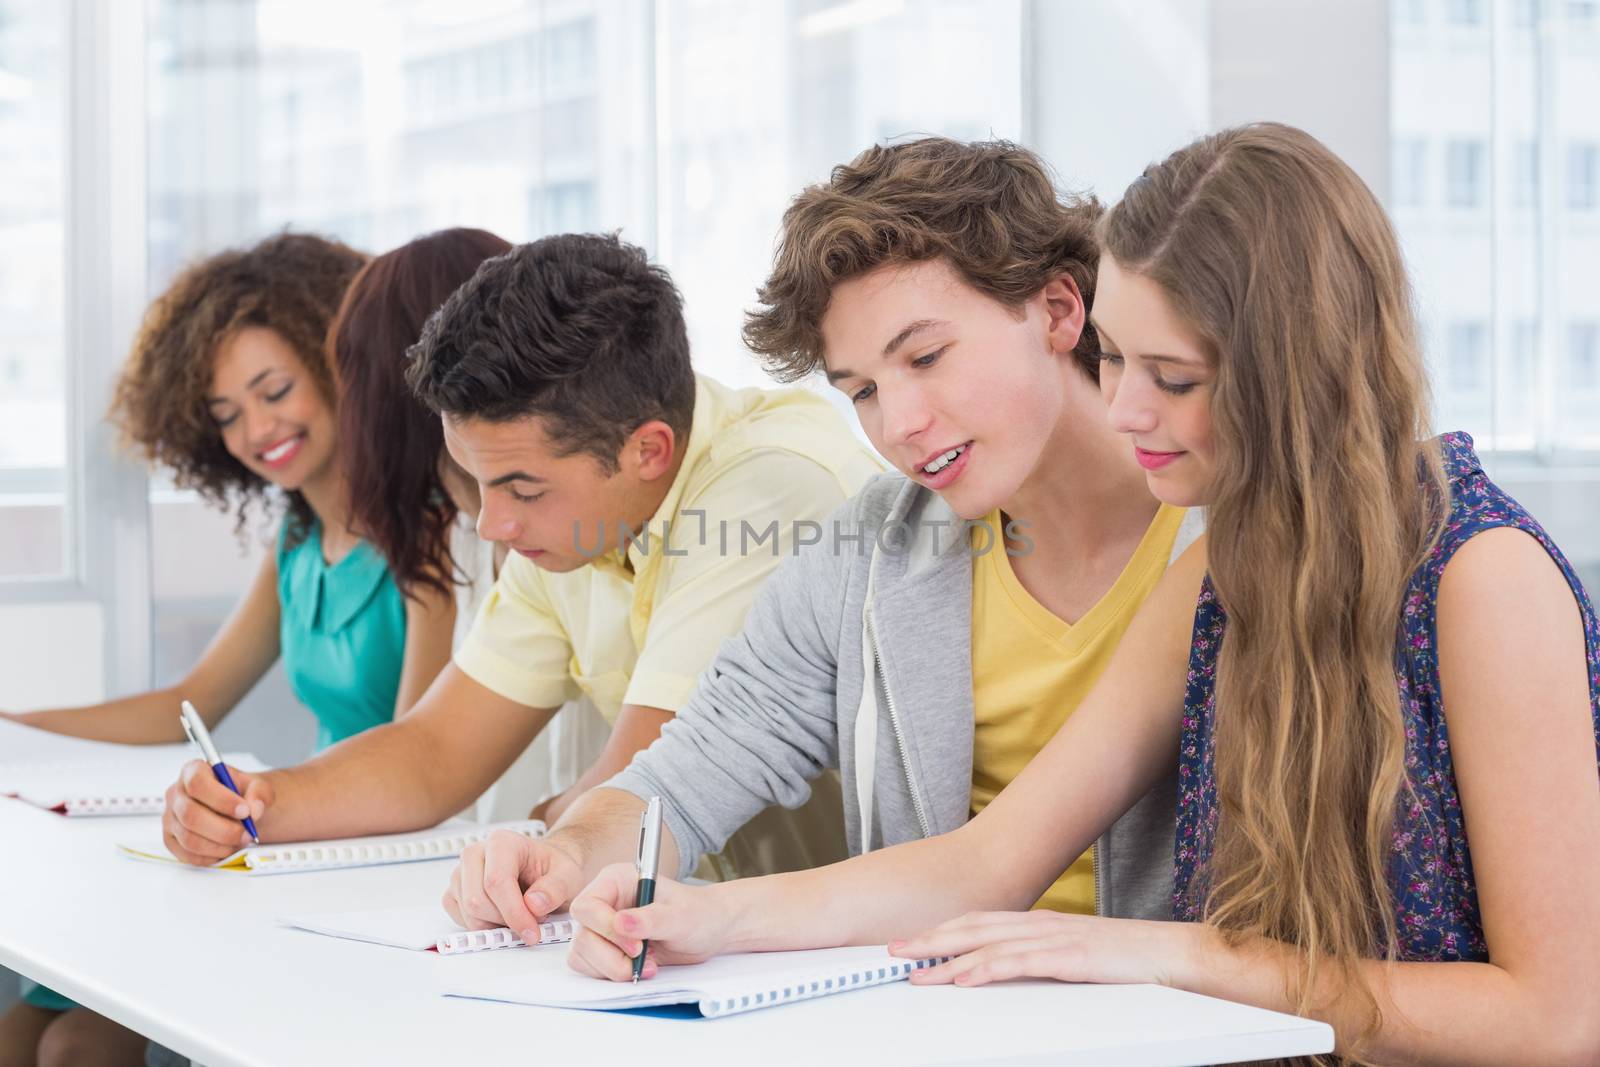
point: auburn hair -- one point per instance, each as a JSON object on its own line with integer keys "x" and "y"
{"x": 1328, "y": 494}
{"x": 390, "y": 444}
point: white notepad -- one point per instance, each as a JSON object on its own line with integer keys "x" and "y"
{"x": 102, "y": 779}
{"x": 444, "y": 841}
{"x": 424, "y": 929}
{"x": 725, "y": 985}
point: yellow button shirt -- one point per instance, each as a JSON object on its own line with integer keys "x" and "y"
{"x": 1031, "y": 669}
{"x": 759, "y": 464}
{"x": 641, "y": 632}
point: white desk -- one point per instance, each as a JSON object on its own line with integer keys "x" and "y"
{"x": 194, "y": 960}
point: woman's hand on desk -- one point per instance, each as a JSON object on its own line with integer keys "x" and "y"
{"x": 685, "y": 924}
{"x": 204, "y": 819}
{"x": 510, "y": 880}
{"x": 997, "y": 945}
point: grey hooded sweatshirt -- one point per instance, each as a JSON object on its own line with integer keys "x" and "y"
{"x": 857, "y": 655}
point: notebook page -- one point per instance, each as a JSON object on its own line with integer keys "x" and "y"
{"x": 720, "y": 986}
{"x": 107, "y": 780}
{"x": 425, "y": 928}
{"x": 444, "y": 841}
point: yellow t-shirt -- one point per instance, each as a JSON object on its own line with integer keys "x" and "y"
{"x": 1030, "y": 670}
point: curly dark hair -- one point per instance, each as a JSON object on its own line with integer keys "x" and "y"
{"x": 988, "y": 208}
{"x": 580, "y": 330}
{"x": 389, "y": 442}
{"x": 290, "y": 283}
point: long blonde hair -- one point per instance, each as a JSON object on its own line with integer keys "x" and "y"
{"x": 1327, "y": 496}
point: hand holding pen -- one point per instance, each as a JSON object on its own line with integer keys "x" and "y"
{"x": 649, "y": 864}
{"x": 195, "y": 727}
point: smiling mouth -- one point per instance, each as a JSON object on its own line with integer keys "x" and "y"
{"x": 282, "y": 450}
{"x": 943, "y": 459}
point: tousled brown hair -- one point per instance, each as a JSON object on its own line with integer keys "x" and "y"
{"x": 987, "y": 208}
{"x": 390, "y": 444}
{"x": 1328, "y": 494}
{"x": 290, "y": 283}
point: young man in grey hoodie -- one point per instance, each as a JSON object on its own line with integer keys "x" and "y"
{"x": 943, "y": 624}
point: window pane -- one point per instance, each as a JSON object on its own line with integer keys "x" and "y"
{"x": 33, "y": 432}
{"x": 373, "y": 121}
{"x": 762, "y": 99}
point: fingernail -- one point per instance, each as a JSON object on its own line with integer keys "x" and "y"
{"x": 240, "y": 811}
{"x": 530, "y": 936}
{"x": 627, "y": 922}
{"x": 245, "y": 838}
{"x": 539, "y": 902}
{"x": 896, "y": 946}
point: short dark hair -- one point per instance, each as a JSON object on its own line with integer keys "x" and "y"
{"x": 580, "y": 330}
{"x": 389, "y": 444}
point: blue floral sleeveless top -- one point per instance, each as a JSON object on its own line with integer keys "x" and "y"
{"x": 1436, "y": 900}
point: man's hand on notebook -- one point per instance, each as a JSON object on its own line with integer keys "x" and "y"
{"x": 512, "y": 881}
{"x": 204, "y": 819}
{"x": 685, "y": 924}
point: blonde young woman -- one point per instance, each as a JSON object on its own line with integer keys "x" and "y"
{"x": 1388, "y": 676}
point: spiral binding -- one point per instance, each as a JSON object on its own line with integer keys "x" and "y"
{"x": 114, "y": 806}
{"x": 820, "y": 985}
{"x": 309, "y": 857}
{"x": 481, "y": 940}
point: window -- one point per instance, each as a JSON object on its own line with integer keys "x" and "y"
{"x": 738, "y": 142}
{"x": 1524, "y": 353}
{"x": 1466, "y": 352}
{"x": 34, "y": 517}
{"x": 1583, "y": 356}
{"x": 1409, "y": 172}
{"x": 1525, "y": 176}
{"x": 1464, "y": 12}
{"x": 1583, "y": 176}
{"x": 1410, "y": 13}
{"x": 1464, "y": 174}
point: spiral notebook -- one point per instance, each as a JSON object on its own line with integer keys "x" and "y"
{"x": 104, "y": 779}
{"x": 424, "y": 929}
{"x": 444, "y": 841}
{"x": 726, "y": 985}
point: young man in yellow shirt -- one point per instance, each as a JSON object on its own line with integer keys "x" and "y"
{"x": 966, "y": 603}
{"x": 644, "y": 506}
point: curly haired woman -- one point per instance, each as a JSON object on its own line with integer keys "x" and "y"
{"x": 229, "y": 387}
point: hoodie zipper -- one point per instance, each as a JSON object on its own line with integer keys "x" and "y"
{"x": 894, "y": 722}
{"x": 1099, "y": 879}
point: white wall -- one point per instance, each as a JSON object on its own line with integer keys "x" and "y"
{"x": 54, "y": 654}
{"x": 1321, "y": 66}
{"x": 1116, "y": 86}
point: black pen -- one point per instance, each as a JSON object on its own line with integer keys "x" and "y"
{"x": 649, "y": 864}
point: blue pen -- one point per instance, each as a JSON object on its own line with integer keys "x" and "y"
{"x": 195, "y": 727}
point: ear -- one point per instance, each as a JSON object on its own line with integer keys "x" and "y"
{"x": 1065, "y": 311}
{"x": 650, "y": 451}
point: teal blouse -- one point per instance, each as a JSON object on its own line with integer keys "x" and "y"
{"x": 342, "y": 634}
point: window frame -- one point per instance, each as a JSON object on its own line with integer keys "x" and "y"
{"x": 106, "y": 552}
